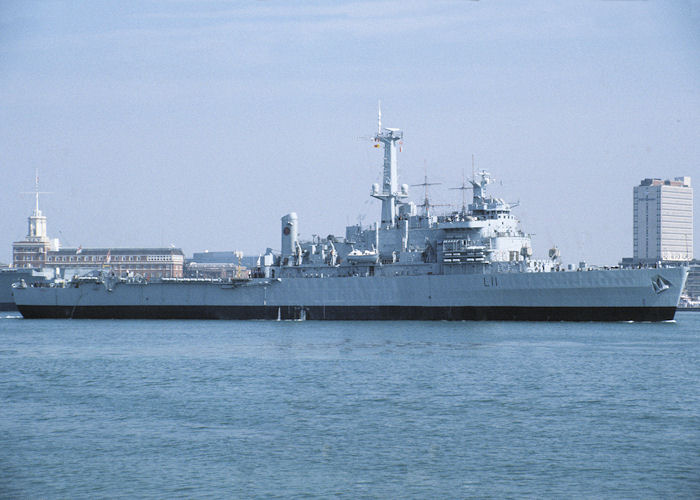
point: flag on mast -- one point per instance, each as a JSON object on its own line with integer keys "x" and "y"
{"x": 80, "y": 249}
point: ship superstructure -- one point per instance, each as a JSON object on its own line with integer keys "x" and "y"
{"x": 474, "y": 263}
{"x": 484, "y": 237}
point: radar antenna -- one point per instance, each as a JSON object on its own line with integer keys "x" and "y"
{"x": 473, "y": 171}
{"x": 464, "y": 188}
{"x": 426, "y": 202}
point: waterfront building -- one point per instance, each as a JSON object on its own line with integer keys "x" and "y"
{"x": 663, "y": 220}
{"x": 37, "y": 251}
{"x": 223, "y": 265}
{"x": 31, "y": 252}
{"x": 663, "y": 227}
{"x": 146, "y": 262}
{"x": 692, "y": 286}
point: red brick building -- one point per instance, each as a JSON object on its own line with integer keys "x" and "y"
{"x": 38, "y": 251}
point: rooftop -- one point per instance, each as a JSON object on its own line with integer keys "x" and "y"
{"x": 677, "y": 181}
{"x": 120, "y": 251}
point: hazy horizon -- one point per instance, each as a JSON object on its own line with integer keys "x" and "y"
{"x": 200, "y": 124}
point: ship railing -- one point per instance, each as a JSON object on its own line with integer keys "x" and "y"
{"x": 205, "y": 280}
{"x": 50, "y": 284}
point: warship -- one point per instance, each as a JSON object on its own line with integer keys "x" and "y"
{"x": 8, "y": 276}
{"x": 471, "y": 264}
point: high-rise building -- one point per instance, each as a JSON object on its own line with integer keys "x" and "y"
{"x": 663, "y": 220}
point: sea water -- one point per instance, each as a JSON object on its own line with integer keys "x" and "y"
{"x": 237, "y": 409}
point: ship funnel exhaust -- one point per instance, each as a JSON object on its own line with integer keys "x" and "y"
{"x": 290, "y": 234}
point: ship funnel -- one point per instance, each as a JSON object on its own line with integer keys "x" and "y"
{"x": 290, "y": 234}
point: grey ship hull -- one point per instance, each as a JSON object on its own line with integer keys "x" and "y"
{"x": 7, "y": 278}
{"x": 356, "y": 313}
{"x": 602, "y": 295}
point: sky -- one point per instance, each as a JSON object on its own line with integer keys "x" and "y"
{"x": 200, "y": 123}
